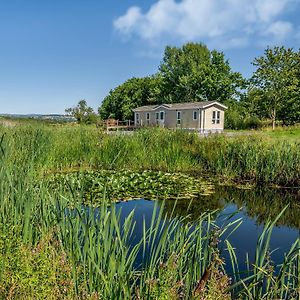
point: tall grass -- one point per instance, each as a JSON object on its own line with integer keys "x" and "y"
{"x": 54, "y": 248}
{"x": 254, "y": 159}
{"x": 173, "y": 259}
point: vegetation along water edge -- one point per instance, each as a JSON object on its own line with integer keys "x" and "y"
{"x": 52, "y": 247}
{"x": 251, "y": 159}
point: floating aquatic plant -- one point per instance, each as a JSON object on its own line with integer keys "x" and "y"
{"x": 125, "y": 185}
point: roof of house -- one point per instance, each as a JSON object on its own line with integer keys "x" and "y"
{"x": 184, "y": 105}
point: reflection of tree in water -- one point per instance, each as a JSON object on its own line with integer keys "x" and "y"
{"x": 264, "y": 204}
{"x": 258, "y": 203}
{"x": 194, "y": 208}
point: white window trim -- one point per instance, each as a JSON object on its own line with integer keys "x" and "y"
{"x": 216, "y": 116}
{"x": 195, "y": 111}
{"x": 147, "y": 118}
{"x": 157, "y": 117}
{"x": 137, "y": 118}
{"x": 164, "y": 114}
{"x": 178, "y": 119}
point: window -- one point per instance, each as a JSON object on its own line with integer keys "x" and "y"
{"x": 178, "y": 117}
{"x": 216, "y": 117}
{"x": 162, "y": 115}
{"x": 148, "y": 118}
{"x": 137, "y": 118}
{"x": 157, "y": 117}
{"x": 195, "y": 115}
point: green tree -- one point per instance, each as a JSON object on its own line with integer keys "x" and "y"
{"x": 189, "y": 73}
{"x": 193, "y": 72}
{"x": 276, "y": 85}
{"x": 82, "y": 113}
{"x": 132, "y": 93}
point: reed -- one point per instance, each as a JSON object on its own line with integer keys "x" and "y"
{"x": 53, "y": 247}
{"x": 174, "y": 259}
{"x": 252, "y": 159}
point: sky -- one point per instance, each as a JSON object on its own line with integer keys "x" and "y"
{"x": 55, "y": 52}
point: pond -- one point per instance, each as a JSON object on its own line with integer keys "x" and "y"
{"x": 254, "y": 206}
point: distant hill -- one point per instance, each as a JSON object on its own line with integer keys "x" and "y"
{"x": 54, "y": 117}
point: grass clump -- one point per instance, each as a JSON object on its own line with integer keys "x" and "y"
{"x": 33, "y": 272}
{"x": 254, "y": 159}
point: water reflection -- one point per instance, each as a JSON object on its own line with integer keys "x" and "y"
{"x": 258, "y": 204}
{"x": 254, "y": 207}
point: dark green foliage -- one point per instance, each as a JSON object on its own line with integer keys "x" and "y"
{"x": 186, "y": 74}
{"x": 193, "y": 72}
{"x": 235, "y": 116}
{"x": 132, "y": 93}
{"x": 276, "y": 83}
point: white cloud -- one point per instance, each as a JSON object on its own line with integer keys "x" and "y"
{"x": 129, "y": 20}
{"x": 279, "y": 30}
{"x": 226, "y": 23}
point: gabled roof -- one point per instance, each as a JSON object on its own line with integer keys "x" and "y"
{"x": 177, "y": 106}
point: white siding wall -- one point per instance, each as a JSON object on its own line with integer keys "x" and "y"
{"x": 204, "y": 119}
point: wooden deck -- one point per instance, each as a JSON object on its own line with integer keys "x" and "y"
{"x": 112, "y": 124}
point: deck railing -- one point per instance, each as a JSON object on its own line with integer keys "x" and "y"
{"x": 112, "y": 124}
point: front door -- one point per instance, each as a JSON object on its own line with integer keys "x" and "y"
{"x": 161, "y": 120}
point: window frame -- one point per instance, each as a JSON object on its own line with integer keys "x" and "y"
{"x": 162, "y": 113}
{"x": 214, "y": 113}
{"x": 195, "y": 112}
{"x": 137, "y": 118}
{"x": 147, "y": 118}
{"x": 178, "y": 119}
{"x": 156, "y": 117}
{"x": 218, "y": 116}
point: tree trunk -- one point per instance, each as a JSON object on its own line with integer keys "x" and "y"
{"x": 273, "y": 119}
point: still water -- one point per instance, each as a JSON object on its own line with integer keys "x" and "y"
{"x": 254, "y": 206}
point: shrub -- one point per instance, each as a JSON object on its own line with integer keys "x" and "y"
{"x": 26, "y": 272}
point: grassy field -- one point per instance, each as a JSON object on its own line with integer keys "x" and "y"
{"x": 51, "y": 247}
{"x": 291, "y": 134}
{"x": 261, "y": 158}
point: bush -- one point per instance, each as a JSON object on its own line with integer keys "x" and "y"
{"x": 252, "y": 123}
{"x": 26, "y": 272}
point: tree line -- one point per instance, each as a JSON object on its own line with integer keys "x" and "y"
{"x": 194, "y": 73}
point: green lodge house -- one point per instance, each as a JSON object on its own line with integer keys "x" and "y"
{"x": 205, "y": 116}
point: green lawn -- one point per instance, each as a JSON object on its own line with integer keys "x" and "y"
{"x": 290, "y": 133}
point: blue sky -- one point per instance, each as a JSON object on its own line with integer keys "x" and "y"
{"x": 54, "y": 53}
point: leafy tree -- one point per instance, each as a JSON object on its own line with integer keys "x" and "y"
{"x": 276, "y": 83}
{"x": 193, "y": 72}
{"x": 82, "y": 113}
{"x": 189, "y": 73}
{"x": 132, "y": 93}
